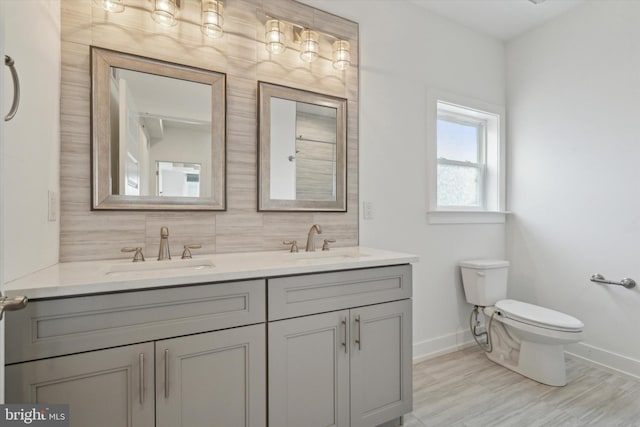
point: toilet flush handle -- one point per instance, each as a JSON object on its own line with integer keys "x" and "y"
{"x": 480, "y": 273}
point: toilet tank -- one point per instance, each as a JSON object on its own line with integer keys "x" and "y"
{"x": 485, "y": 281}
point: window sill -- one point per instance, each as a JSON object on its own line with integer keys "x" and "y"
{"x": 467, "y": 217}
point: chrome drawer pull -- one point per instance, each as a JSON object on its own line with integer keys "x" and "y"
{"x": 166, "y": 374}
{"x": 141, "y": 362}
{"x": 344, "y": 330}
{"x": 359, "y": 339}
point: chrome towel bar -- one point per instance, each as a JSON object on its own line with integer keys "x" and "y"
{"x": 626, "y": 282}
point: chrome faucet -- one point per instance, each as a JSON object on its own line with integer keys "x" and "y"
{"x": 310, "y": 245}
{"x": 164, "y": 252}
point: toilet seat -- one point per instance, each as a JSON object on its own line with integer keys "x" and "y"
{"x": 538, "y": 316}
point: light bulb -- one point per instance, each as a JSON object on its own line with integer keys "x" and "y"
{"x": 212, "y": 18}
{"x": 274, "y": 36}
{"x": 114, "y": 6}
{"x": 341, "y": 54}
{"x": 309, "y": 46}
{"x": 164, "y": 12}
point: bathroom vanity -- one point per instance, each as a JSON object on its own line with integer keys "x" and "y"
{"x": 323, "y": 337}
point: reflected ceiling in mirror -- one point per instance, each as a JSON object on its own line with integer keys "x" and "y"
{"x": 302, "y": 150}
{"x": 158, "y": 134}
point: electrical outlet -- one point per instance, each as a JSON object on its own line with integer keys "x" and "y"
{"x": 367, "y": 210}
{"x": 53, "y": 206}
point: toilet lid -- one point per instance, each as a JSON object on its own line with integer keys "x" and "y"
{"x": 538, "y": 316}
{"x": 482, "y": 264}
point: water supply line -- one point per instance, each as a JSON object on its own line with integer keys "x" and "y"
{"x": 473, "y": 322}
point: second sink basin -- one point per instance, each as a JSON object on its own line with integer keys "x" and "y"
{"x": 331, "y": 254}
{"x": 150, "y": 266}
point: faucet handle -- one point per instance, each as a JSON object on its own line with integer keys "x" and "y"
{"x": 325, "y": 245}
{"x": 187, "y": 250}
{"x": 138, "y": 256}
{"x": 293, "y": 243}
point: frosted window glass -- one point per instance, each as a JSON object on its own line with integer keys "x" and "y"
{"x": 458, "y": 185}
{"x": 457, "y": 141}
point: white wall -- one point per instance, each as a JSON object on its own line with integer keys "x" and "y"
{"x": 283, "y": 145}
{"x": 405, "y": 50}
{"x": 574, "y": 149}
{"x": 32, "y": 141}
{"x": 182, "y": 144}
{"x": 2, "y": 186}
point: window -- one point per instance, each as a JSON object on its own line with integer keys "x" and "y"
{"x": 466, "y": 160}
{"x": 461, "y": 160}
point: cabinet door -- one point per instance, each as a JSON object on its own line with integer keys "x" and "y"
{"x": 381, "y": 363}
{"x": 110, "y": 388}
{"x": 309, "y": 371}
{"x": 212, "y": 379}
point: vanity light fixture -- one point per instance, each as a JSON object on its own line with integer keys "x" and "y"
{"x": 164, "y": 12}
{"x": 341, "y": 55}
{"x": 309, "y": 45}
{"x": 115, "y": 6}
{"x": 274, "y": 36}
{"x": 309, "y": 40}
{"x": 212, "y": 18}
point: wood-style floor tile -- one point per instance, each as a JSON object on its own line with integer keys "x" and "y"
{"x": 465, "y": 389}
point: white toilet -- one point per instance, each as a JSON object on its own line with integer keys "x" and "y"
{"x": 525, "y": 338}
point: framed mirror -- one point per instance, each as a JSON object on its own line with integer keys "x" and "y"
{"x": 302, "y": 150}
{"x": 158, "y": 134}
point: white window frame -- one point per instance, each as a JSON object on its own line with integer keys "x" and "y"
{"x": 492, "y": 206}
{"x": 479, "y": 164}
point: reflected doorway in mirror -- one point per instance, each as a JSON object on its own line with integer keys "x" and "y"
{"x": 302, "y": 154}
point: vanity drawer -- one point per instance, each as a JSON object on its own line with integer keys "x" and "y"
{"x": 55, "y": 327}
{"x": 316, "y": 293}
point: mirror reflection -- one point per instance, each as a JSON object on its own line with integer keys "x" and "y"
{"x": 303, "y": 151}
{"x": 154, "y": 132}
{"x": 302, "y": 159}
{"x": 158, "y": 134}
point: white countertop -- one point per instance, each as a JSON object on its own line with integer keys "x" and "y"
{"x": 89, "y": 277}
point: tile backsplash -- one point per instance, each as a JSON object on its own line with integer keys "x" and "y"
{"x": 240, "y": 53}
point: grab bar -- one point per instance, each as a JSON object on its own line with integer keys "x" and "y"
{"x": 626, "y": 282}
{"x": 9, "y": 62}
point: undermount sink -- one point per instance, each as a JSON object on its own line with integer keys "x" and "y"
{"x": 150, "y": 266}
{"x": 331, "y": 254}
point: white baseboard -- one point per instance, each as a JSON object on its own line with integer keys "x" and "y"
{"x": 605, "y": 359}
{"x": 435, "y": 347}
{"x": 608, "y": 360}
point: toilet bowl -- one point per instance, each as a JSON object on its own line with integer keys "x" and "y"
{"x": 523, "y": 337}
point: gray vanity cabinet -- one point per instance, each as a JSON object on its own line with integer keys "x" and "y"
{"x": 213, "y": 379}
{"x": 309, "y": 371}
{"x": 339, "y": 352}
{"x": 208, "y": 340}
{"x": 106, "y": 388}
{"x": 381, "y": 363}
{"x": 349, "y": 367}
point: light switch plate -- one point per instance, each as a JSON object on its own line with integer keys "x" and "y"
{"x": 367, "y": 210}
{"x": 53, "y": 206}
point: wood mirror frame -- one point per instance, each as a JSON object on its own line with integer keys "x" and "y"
{"x": 268, "y": 91}
{"x": 102, "y": 62}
